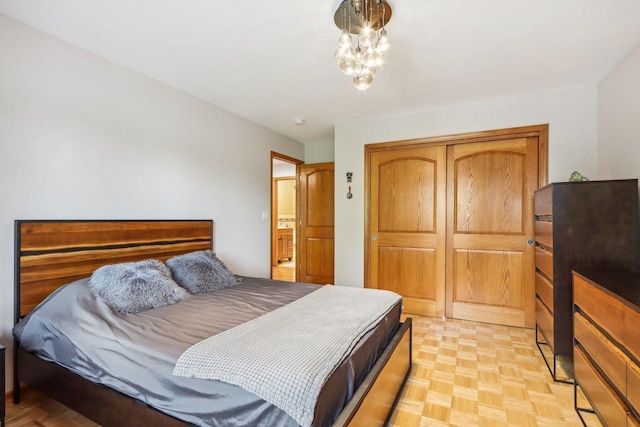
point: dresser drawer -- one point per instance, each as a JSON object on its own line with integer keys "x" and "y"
{"x": 610, "y": 406}
{"x": 544, "y": 290}
{"x": 609, "y": 313}
{"x": 633, "y": 385}
{"x": 544, "y": 233}
{"x": 544, "y": 261}
{"x": 609, "y": 358}
{"x": 543, "y": 201}
{"x": 544, "y": 320}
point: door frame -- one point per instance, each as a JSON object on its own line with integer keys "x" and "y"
{"x": 274, "y": 201}
{"x": 540, "y": 131}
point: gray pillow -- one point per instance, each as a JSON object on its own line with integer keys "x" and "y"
{"x": 133, "y": 287}
{"x": 200, "y": 272}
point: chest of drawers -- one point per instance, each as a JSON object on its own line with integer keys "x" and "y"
{"x": 590, "y": 225}
{"x": 607, "y": 344}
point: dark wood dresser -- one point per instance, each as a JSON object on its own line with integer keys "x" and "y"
{"x": 607, "y": 344}
{"x": 2, "y": 390}
{"x": 589, "y": 225}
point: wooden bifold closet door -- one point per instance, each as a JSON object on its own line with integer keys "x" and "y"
{"x": 450, "y": 226}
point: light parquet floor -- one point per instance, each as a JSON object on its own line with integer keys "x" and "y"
{"x": 464, "y": 374}
{"x": 288, "y": 274}
{"x": 476, "y": 374}
{"x": 37, "y": 410}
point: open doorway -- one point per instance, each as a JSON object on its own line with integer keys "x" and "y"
{"x": 284, "y": 230}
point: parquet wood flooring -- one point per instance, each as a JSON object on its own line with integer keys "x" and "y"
{"x": 477, "y": 374}
{"x": 464, "y": 374}
{"x": 288, "y": 274}
{"x": 35, "y": 409}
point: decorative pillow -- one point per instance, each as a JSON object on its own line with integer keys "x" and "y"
{"x": 133, "y": 287}
{"x": 200, "y": 272}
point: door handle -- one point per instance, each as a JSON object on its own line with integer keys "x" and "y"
{"x": 375, "y": 237}
{"x": 531, "y": 242}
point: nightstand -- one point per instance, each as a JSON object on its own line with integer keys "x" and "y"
{"x": 2, "y": 392}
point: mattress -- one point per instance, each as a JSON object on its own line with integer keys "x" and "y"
{"x": 135, "y": 354}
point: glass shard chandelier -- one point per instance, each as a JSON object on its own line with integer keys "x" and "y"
{"x": 360, "y": 57}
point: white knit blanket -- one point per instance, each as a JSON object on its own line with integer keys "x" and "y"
{"x": 286, "y": 356}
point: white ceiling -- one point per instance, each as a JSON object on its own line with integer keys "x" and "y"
{"x": 272, "y": 61}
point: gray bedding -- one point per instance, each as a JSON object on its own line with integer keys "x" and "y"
{"x": 288, "y": 368}
{"x": 136, "y": 353}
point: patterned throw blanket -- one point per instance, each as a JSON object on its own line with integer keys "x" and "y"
{"x": 286, "y": 356}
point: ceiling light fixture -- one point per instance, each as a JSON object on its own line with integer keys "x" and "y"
{"x": 366, "y": 19}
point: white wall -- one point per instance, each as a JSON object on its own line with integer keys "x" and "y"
{"x": 319, "y": 152}
{"x": 283, "y": 169}
{"x": 571, "y": 115}
{"x": 81, "y": 137}
{"x": 619, "y": 120}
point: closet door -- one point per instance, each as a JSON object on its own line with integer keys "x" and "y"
{"x": 454, "y": 240}
{"x": 490, "y": 258}
{"x": 406, "y": 233}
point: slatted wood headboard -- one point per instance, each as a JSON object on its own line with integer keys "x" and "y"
{"x": 49, "y": 254}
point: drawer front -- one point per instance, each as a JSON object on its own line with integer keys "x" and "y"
{"x": 544, "y": 233}
{"x": 608, "y": 313}
{"x": 543, "y": 201}
{"x": 609, "y": 404}
{"x": 632, "y": 421}
{"x": 633, "y": 385}
{"x": 544, "y": 290}
{"x": 544, "y": 261}
{"x": 544, "y": 320}
{"x": 609, "y": 358}
{"x": 632, "y": 332}
{"x": 285, "y": 231}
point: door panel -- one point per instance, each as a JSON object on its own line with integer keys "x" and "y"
{"x": 503, "y": 174}
{"x": 319, "y": 257}
{"x": 410, "y": 272}
{"x": 407, "y": 208}
{"x": 489, "y": 275}
{"x": 407, "y": 226}
{"x": 316, "y": 241}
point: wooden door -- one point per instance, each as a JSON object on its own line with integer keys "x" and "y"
{"x": 407, "y": 226}
{"x": 484, "y": 201}
{"x": 315, "y": 249}
{"x": 490, "y": 275}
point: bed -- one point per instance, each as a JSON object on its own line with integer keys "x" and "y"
{"x": 54, "y": 257}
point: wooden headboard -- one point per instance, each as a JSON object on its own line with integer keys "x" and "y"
{"x": 49, "y": 254}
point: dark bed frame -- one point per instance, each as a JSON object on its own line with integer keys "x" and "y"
{"x": 49, "y": 254}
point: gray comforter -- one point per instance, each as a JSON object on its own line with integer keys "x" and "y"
{"x": 289, "y": 366}
{"x": 136, "y": 353}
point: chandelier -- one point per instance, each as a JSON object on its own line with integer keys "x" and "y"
{"x": 366, "y": 19}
